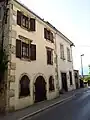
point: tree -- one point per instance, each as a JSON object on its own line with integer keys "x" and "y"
{"x": 3, "y": 64}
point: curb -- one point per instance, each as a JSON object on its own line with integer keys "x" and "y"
{"x": 45, "y": 108}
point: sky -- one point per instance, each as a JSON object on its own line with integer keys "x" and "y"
{"x": 72, "y": 18}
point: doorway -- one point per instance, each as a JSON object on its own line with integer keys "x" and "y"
{"x": 64, "y": 81}
{"x": 40, "y": 89}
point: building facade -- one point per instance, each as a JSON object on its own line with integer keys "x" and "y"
{"x": 65, "y": 62}
{"x": 36, "y": 62}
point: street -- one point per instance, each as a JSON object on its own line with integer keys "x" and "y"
{"x": 77, "y": 108}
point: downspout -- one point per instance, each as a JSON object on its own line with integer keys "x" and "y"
{"x": 56, "y": 60}
{"x": 72, "y": 45}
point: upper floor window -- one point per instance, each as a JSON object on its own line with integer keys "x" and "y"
{"x": 29, "y": 23}
{"x": 62, "y": 51}
{"x": 49, "y": 56}
{"x": 48, "y": 35}
{"x": 25, "y": 21}
{"x": 68, "y": 54}
{"x": 24, "y": 50}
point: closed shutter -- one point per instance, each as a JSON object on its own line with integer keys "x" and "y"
{"x": 51, "y": 57}
{"x": 51, "y": 37}
{"x": 45, "y": 33}
{"x": 33, "y": 52}
{"x": 19, "y": 15}
{"x": 32, "y": 24}
{"x": 18, "y": 48}
{"x": 48, "y": 57}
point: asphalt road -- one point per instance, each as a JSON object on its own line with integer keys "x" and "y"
{"x": 76, "y": 109}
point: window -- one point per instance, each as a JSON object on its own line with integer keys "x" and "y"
{"x": 25, "y": 21}
{"x": 24, "y": 50}
{"x": 32, "y": 24}
{"x": 48, "y": 35}
{"x": 24, "y": 86}
{"x": 70, "y": 74}
{"x": 68, "y": 54}
{"x": 62, "y": 51}
{"x": 76, "y": 76}
{"x": 49, "y": 56}
{"x": 51, "y": 84}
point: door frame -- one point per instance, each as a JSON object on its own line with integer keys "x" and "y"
{"x": 34, "y": 87}
{"x": 66, "y": 80}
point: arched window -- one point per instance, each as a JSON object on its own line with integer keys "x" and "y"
{"x": 24, "y": 86}
{"x": 51, "y": 84}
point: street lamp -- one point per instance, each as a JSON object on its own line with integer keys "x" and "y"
{"x": 82, "y": 65}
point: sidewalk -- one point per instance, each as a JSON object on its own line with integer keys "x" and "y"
{"x": 18, "y": 115}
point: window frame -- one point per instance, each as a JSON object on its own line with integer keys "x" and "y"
{"x": 62, "y": 51}
{"x": 25, "y": 21}
{"x": 23, "y": 87}
{"x": 51, "y": 84}
{"x": 25, "y": 52}
{"x": 50, "y": 57}
{"x": 68, "y": 55}
{"x": 48, "y": 35}
{"x": 29, "y": 51}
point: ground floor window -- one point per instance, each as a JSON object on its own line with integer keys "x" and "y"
{"x": 24, "y": 86}
{"x": 51, "y": 83}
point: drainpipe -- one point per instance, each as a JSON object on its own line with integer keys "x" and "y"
{"x": 56, "y": 59}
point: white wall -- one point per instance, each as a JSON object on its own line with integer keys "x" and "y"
{"x": 64, "y": 65}
{"x": 33, "y": 68}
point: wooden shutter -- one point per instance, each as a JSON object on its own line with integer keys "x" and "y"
{"x": 33, "y": 52}
{"x": 49, "y": 55}
{"x": 45, "y": 33}
{"x": 52, "y": 57}
{"x": 18, "y": 48}
{"x": 51, "y": 37}
{"x": 19, "y": 15}
{"x": 32, "y": 24}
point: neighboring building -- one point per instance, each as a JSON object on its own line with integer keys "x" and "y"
{"x": 65, "y": 62}
{"x": 76, "y": 77}
{"x": 34, "y": 70}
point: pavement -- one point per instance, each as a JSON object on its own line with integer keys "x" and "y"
{"x": 41, "y": 107}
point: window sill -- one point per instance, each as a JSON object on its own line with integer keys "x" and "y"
{"x": 69, "y": 61}
{"x": 50, "y": 64}
{"x": 25, "y": 59}
{"x": 63, "y": 58}
{"x": 71, "y": 85}
{"x": 27, "y": 29}
{"x": 50, "y": 91}
{"x": 21, "y": 97}
{"x": 49, "y": 41}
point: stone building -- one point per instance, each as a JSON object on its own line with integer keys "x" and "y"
{"x": 35, "y": 64}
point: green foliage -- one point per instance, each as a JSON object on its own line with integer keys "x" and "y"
{"x": 3, "y": 61}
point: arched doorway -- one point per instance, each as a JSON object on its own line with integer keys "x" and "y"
{"x": 40, "y": 89}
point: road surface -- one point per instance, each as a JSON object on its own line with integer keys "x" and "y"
{"x": 76, "y": 109}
